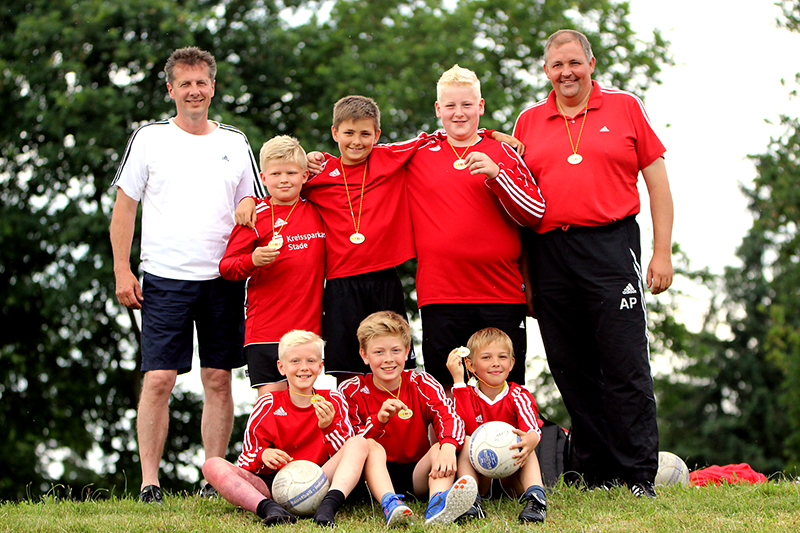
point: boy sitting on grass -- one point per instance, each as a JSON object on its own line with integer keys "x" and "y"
{"x": 489, "y": 397}
{"x": 284, "y": 257}
{"x": 297, "y": 423}
{"x": 394, "y": 408}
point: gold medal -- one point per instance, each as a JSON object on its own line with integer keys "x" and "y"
{"x": 317, "y": 398}
{"x": 275, "y": 243}
{"x": 574, "y": 159}
{"x": 357, "y": 238}
{"x": 405, "y": 414}
{"x": 462, "y": 351}
{"x": 460, "y": 164}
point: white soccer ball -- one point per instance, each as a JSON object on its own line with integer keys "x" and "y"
{"x": 489, "y": 450}
{"x": 299, "y": 487}
{"x": 671, "y": 470}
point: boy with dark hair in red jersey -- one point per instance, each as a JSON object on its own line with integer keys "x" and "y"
{"x": 488, "y": 397}
{"x": 394, "y": 407}
{"x": 284, "y": 257}
{"x": 469, "y": 246}
{"x": 364, "y": 208}
{"x": 297, "y": 423}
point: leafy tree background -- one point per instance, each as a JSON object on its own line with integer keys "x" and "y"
{"x": 733, "y": 396}
{"x": 76, "y": 78}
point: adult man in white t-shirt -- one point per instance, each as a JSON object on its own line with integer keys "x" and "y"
{"x": 189, "y": 173}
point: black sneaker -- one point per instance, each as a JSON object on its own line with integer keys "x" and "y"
{"x": 473, "y": 513}
{"x": 208, "y": 492}
{"x": 535, "y": 509}
{"x": 643, "y": 489}
{"x": 151, "y": 494}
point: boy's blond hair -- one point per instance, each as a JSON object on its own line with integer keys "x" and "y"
{"x": 299, "y": 337}
{"x": 458, "y": 77}
{"x": 381, "y": 324}
{"x": 482, "y": 338}
{"x": 355, "y": 107}
{"x": 283, "y": 148}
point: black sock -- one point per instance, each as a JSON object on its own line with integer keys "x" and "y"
{"x": 261, "y": 510}
{"x": 538, "y": 490}
{"x": 328, "y": 507}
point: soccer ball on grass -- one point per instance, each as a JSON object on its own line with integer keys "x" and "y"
{"x": 671, "y": 470}
{"x": 299, "y": 487}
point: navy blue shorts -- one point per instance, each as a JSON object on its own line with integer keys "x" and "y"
{"x": 448, "y": 326}
{"x": 262, "y": 363}
{"x": 172, "y": 309}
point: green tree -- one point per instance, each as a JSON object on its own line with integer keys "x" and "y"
{"x": 734, "y": 395}
{"x": 76, "y": 78}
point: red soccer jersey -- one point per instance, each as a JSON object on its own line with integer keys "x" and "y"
{"x": 515, "y": 405}
{"x": 278, "y": 423}
{"x": 405, "y": 441}
{"x": 616, "y": 143}
{"x": 287, "y": 293}
{"x": 382, "y": 217}
{"x": 466, "y": 228}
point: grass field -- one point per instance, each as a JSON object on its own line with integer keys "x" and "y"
{"x": 771, "y": 507}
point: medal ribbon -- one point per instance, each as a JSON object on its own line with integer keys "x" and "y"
{"x": 356, "y": 225}
{"x": 566, "y": 123}
{"x": 277, "y": 233}
{"x": 465, "y": 151}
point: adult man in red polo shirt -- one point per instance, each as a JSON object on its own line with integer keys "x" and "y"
{"x": 586, "y": 146}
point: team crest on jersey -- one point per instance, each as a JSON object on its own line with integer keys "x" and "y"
{"x": 365, "y": 389}
{"x": 281, "y": 412}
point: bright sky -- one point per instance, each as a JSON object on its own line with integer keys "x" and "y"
{"x": 710, "y": 112}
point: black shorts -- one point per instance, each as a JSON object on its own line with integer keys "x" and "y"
{"x": 349, "y": 300}
{"x": 402, "y": 476}
{"x": 262, "y": 363}
{"x": 269, "y": 479}
{"x": 448, "y": 326}
{"x": 171, "y": 311}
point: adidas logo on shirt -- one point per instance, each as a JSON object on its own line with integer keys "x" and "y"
{"x": 629, "y": 289}
{"x": 280, "y": 222}
{"x": 280, "y": 412}
{"x": 604, "y": 129}
{"x": 335, "y": 172}
{"x": 225, "y": 158}
{"x": 365, "y": 389}
{"x": 479, "y": 419}
{"x": 435, "y": 148}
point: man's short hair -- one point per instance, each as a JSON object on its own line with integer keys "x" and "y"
{"x": 568, "y": 36}
{"x": 355, "y": 107}
{"x": 283, "y": 148}
{"x": 383, "y": 324}
{"x": 299, "y": 337}
{"x": 486, "y": 336}
{"x": 458, "y": 77}
{"x": 190, "y": 56}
